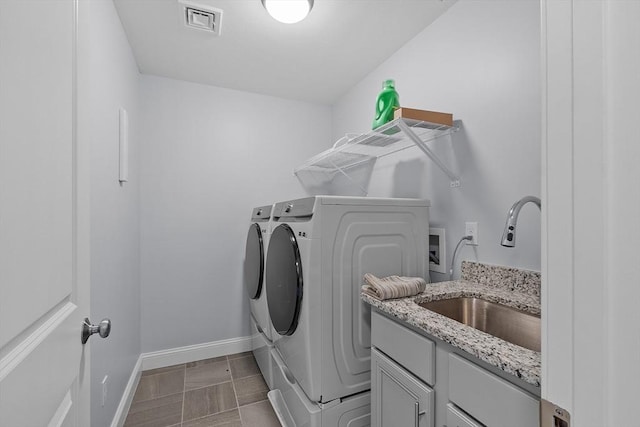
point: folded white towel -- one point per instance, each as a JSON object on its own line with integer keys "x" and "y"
{"x": 392, "y": 286}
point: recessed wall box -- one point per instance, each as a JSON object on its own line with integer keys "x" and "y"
{"x": 437, "y": 250}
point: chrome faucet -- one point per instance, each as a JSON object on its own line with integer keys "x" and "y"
{"x": 509, "y": 234}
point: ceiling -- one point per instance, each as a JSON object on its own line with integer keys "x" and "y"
{"x": 316, "y": 60}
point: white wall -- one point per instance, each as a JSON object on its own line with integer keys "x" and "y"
{"x": 481, "y": 62}
{"x": 108, "y": 79}
{"x": 209, "y": 155}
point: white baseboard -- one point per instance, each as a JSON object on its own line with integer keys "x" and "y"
{"x": 127, "y": 396}
{"x": 174, "y": 356}
{"x": 191, "y": 353}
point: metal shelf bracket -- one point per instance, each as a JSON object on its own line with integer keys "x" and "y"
{"x": 455, "y": 179}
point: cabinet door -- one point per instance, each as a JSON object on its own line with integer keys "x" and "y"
{"x": 398, "y": 398}
{"x": 457, "y": 418}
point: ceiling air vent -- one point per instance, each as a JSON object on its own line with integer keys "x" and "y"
{"x": 202, "y": 17}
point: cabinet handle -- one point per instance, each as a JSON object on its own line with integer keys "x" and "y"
{"x": 418, "y": 412}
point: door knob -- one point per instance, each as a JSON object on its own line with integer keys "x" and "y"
{"x": 103, "y": 328}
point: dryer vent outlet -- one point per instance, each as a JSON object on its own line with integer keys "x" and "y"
{"x": 202, "y": 17}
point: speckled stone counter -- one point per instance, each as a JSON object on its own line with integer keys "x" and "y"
{"x": 519, "y": 289}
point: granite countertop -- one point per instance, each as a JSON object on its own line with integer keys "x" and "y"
{"x": 519, "y": 289}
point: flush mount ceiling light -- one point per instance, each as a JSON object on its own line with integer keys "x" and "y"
{"x": 288, "y": 11}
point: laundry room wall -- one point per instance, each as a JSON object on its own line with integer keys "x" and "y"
{"x": 108, "y": 80}
{"x": 209, "y": 155}
{"x": 481, "y": 62}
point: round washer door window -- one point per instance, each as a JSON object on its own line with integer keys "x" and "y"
{"x": 254, "y": 262}
{"x": 284, "y": 280}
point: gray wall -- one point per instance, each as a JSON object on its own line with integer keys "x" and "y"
{"x": 208, "y": 156}
{"x": 108, "y": 79}
{"x": 481, "y": 62}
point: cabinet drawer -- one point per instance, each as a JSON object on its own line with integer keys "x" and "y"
{"x": 488, "y": 398}
{"x": 413, "y": 351}
{"x": 457, "y": 418}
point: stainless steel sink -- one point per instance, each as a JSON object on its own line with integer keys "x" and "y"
{"x": 504, "y": 322}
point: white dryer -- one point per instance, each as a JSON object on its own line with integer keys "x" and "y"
{"x": 256, "y": 247}
{"x": 319, "y": 249}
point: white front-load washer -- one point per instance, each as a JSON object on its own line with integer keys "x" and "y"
{"x": 319, "y": 250}
{"x": 256, "y": 247}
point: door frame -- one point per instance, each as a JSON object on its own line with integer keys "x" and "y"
{"x": 591, "y": 206}
{"x": 82, "y": 238}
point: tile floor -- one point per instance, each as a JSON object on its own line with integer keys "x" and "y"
{"x": 227, "y": 391}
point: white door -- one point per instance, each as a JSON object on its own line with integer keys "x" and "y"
{"x": 43, "y": 220}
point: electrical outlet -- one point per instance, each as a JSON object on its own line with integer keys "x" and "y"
{"x": 471, "y": 229}
{"x": 105, "y": 383}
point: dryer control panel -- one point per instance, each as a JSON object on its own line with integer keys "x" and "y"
{"x": 299, "y": 208}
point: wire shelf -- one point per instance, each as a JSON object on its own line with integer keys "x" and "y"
{"x": 345, "y": 169}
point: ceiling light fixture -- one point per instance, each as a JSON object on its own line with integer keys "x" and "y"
{"x": 288, "y": 11}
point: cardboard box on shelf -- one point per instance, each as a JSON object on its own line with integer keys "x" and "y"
{"x": 424, "y": 116}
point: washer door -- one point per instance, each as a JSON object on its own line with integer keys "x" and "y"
{"x": 284, "y": 280}
{"x": 254, "y": 262}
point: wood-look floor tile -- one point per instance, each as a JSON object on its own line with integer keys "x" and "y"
{"x": 206, "y": 373}
{"x": 205, "y": 401}
{"x": 158, "y": 385}
{"x": 161, "y": 412}
{"x": 222, "y": 419}
{"x": 250, "y": 389}
{"x": 162, "y": 370}
{"x": 210, "y": 399}
{"x": 244, "y": 367}
{"x": 205, "y": 361}
{"x": 238, "y": 355}
{"x": 259, "y": 415}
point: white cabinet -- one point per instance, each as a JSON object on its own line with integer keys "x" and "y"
{"x": 419, "y": 380}
{"x": 399, "y": 399}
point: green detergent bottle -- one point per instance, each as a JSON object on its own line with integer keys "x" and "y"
{"x": 388, "y": 100}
